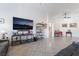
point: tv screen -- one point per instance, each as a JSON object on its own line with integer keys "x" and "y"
{"x": 22, "y": 24}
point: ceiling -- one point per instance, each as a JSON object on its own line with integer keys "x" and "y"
{"x": 52, "y": 9}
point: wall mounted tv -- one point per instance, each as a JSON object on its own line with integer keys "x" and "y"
{"x": 22, "y": 24}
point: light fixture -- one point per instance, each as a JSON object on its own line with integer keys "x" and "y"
{"x": 66, "y": 16}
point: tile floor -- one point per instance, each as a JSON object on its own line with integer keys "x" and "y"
{"x": 43, "y": 47}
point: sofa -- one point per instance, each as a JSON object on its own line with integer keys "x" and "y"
{"x": 71, "y": 50}
{"x": 4, "y": 44}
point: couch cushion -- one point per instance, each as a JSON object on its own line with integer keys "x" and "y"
{"x": 3, "y": 46}
{"x": 66, "y": 51}
{"x": 3, "y": 43}
{"x": 0, "y": 36}
{"x": 76, "y": 52}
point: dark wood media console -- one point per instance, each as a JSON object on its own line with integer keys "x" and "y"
{"x": 20, "y": 38}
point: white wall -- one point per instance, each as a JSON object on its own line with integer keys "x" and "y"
{"x": 6, "y": 26}
{"x": 27, "y": 11}
{"x": 49, "y": 31}
{"x": 59, "y": 20}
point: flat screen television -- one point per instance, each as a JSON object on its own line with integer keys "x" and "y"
{"x": 22, "y": 24}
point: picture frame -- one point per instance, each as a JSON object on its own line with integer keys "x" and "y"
{"x": 1, "y": 20}
{"x": 64, "y": 25}
{"x": 73, "y": 25}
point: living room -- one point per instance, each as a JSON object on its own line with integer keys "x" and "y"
{"x": 44, "y": 29}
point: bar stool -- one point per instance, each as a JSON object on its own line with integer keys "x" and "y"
{"x": 69, "y": 32}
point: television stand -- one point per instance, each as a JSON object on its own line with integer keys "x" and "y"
{"x": 20, "y": 39}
